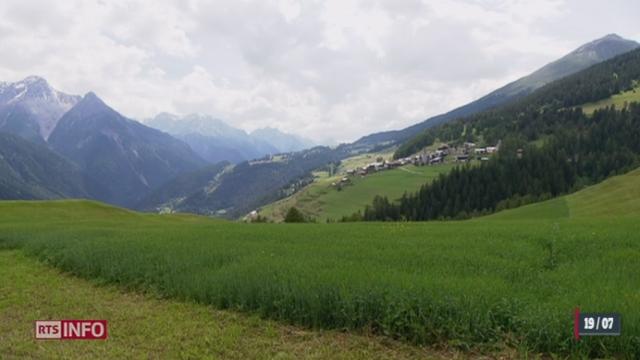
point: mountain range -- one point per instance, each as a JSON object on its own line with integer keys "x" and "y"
{"x": 123, "y": 159}
{"x": 214, "y": 140}
{"x": 56, "y": 145}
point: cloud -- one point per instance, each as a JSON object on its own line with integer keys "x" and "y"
{"x": 327, "y": 70}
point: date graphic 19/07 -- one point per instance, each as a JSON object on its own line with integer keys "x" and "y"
{"x": 596, "y": 324}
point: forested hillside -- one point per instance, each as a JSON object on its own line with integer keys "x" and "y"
{"x": 175, "y": 191}
{"x": 533, "y": 116}
{"x": 590, "y": 150}
{"x": 32, "y": 171}
{"x": 576, "y": 149}
{"x": 243, "y": 188}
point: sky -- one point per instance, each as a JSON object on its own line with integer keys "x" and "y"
{"x": 331, "y": 71}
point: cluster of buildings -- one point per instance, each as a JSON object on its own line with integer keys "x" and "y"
{"x": 464, "y": 153}
{"x": 378, "y": 165}
{"x": 469, "y": 151}
{"x": 426, "y": 158}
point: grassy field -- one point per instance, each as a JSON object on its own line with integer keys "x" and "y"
{"x": 618, "y": 100}
{"x": 321, "y": 201}
{"x": 145, "y": 326}
{"x": 364, "y": 159}
{"x": 616, "y": 197}
{"x": 485, "y": 284}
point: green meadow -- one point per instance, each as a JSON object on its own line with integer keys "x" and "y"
{"x": 321, "y": 201}
{"x": 143, "y": 326}
{"x": 618, "y": 100}
{"x": 510, "y": 280}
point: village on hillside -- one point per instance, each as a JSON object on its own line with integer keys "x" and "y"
{"x": 443, "y": 153}
{"x": 361, "y": 167}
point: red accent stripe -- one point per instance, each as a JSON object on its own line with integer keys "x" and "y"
{"x": 576, "y": 324}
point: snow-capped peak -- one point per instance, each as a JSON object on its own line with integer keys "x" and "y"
{"x": 34, "y": 79}
{"x": 44, "y": 104}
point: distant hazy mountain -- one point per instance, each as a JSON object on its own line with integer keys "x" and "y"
{"x": 585, "y": 56}
{"x": 31, "y": 108}
{"x": 123, "y": 159}
{"x": 195, "y": 123}
{"x": 32, "y": 171}
{"x": 282, "y": 141}
{"x": 215, "y": 140}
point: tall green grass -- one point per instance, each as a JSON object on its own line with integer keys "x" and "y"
{"x": 472, "y": 284}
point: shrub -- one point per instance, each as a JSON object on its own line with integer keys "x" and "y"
{"x": 294, "y": 216}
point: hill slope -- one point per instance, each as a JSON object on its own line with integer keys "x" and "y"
{"x": 616, "y": 197}
{"x": 170, "y": 195}
{"x": 548, "y": 147}
{"x": 32, "y": 171}
{"x": 322, "y": 202}
{"x": 587, "y": 55}
{"x": 248, "y": 185}
{"x": 528, "y": 116}
{"x": 617, "y": 100}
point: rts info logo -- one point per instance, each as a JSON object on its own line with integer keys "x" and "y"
{"x": 71, "y": 329}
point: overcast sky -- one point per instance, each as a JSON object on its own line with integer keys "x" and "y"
{"x": 328, "y": 70}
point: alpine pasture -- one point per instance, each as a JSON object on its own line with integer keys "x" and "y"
{"x": 512, "y": 279}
